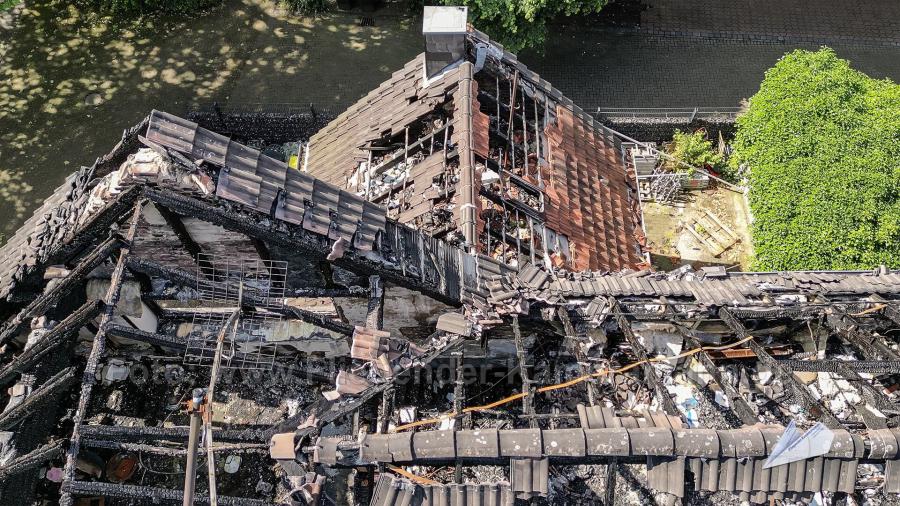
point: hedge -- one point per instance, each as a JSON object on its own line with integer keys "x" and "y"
{"x": 822, "y": 142}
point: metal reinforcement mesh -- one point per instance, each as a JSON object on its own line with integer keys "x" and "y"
{"x": 219, "y": 282}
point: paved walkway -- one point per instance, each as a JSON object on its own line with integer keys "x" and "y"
{"x": 598, "y": 68}
{"x": 832, "y": 21}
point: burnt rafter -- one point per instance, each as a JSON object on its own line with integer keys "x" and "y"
{"x": 813, "y": 407}
{"x": 31, "y": 460}
{"x": 46, "y": 392}
{"x": 741, "y": 408}
{"x": 650, "y": 376}
{"x": 98, "y": 347}
{"x": 48, "y": 299}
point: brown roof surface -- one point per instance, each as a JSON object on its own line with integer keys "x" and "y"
{"x": 335, "y": 150}
{"x": 590, "y": 198}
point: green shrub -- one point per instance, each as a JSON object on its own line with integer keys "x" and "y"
{"x": 309, "y": 6}
{"x": 822, "y": 142}
{"x": 694, "y": 149}
{"x": 136, "y": 7}
{"x": 519, "y": 24}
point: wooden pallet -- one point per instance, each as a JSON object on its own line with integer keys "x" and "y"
{"x": 712, "y": 233}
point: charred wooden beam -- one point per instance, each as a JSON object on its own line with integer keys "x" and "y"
{"x": 575, "y": 347}
{"x": 171, "y": 452}
{"x": 522, "y": 359}
{"x": 891, "y": 309}
{"x": 860, "y": 366}
{"x": 181, "y": 232}
{"x": 375, "y": 309}
{"x": 152, "y": 494}
{"x": 739, "y": 406}
{"x": 650, "y": 377}
{"x": 162, "y": 340}
{"x": 110, "y": 301}
{"x": 31, "y": 460}
{"x": 813, "y": 407}
{"x": 175, "y": 434}
{"x": 56, "y": 336}
{"x": 50, "y": 298}
{"x": 186, "y": 279}
{"x": 47, "y": 392}
{"x": 310, "y": 247}
{"x": 869, "y": 345}
{"x": 330, "y": 292}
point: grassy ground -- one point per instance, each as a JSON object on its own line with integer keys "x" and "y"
{"x": 246, "y": 51}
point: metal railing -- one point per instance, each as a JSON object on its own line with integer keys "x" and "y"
{"x": 686, "y": 113}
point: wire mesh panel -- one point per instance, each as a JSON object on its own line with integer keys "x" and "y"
{"x": 223, "y": 285}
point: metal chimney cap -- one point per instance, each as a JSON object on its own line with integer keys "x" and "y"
{"x": 445, "y": 19}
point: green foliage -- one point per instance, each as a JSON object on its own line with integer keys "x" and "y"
{"x": 694, "y": 149}
{"x": 137, "y": 7}
{"x": 309, "y": 6}
{"x": 823, "y": 145}
{"x": 518, "y": 24}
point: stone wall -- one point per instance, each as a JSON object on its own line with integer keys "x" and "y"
{"x": 661, "y": 129}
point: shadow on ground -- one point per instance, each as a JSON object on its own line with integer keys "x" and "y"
{"x": 70, "y": 81}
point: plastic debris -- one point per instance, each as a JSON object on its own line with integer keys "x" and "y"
{"x": 794, "y": 446}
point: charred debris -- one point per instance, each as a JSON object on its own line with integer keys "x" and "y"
{"x": 447, "y": 304}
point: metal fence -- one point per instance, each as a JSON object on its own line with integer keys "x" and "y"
{"x": 671, "y": 113}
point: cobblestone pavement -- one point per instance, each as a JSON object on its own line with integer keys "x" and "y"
{"x": 602, "y": 68}
{"x": 831, "y": 21}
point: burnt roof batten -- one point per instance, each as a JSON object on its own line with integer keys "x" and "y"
{"x": 99, "y": 345}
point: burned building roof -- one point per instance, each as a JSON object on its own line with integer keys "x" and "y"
{"x": 488, "y": 154}
{"x": 404, "y": 365}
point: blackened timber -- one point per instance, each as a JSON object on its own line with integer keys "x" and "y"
{"x": 330, "y": 292}
{"x": 188, "y": 280}
{"x": 31, "y": 460}
{"x": 814, "y": 407}
{"x": 152, "y": 494}
{"x": 869, "y": 345}
{"x": 308, "y": 245}
{"x": 738, "y": 404}
{"x": 171, "y": 452}
{"x": 50, "y": 298}
{"x": 175, "y": 434}
{"x": 577, "y": 351}
{"x": 59, "y": 334}
{"x": 650, "y": 377}
{"x": 162, "y": 340}
{"x": 50, "y": 389}
{"x": 891, "y": 309}
{"x": 375, "y": 309}
{"x": 110, "y": 301}
{"x": 527, "y": 404}
{"x": 860, "y": 366}
{"x": 181, "y": 232}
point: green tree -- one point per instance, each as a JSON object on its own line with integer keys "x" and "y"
{"x": 518, "y": 24}
{"x": 822, "y": 142}
{"x": 693, "y": 149}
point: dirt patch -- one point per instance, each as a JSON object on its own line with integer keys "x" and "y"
{"x": 713, "y": 215}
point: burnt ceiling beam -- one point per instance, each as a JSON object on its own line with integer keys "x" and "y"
{"x": 574, "y": 345}
{"x": 111, "y": 299}
{"x": 56, "y": 336}
{"x": 50, "y": 389}
{"x": 156, "y": 339}
{"x": 868, "y": 344}
{"x": 152, "y": 494}
{"x": 181, "y": 232}
{"x": 650, "y": 376}
{"x": 522, "y": 360}
{"x": 75, "y": 244}
{"x": 50, "y": 298}
{"x": 173, "y": 434}
{"x": 31, "y": 460}
{"x": 186, "y": 279}
{"x": 326, "y": 412}
{"x": 310, "y": 247}
{"x": 738, "y": 405}
{"x": 860, "y": 366}
{"x": 891, "y": 309}
{"x": 813, "y": 406}
{"x": 123, "y": 446}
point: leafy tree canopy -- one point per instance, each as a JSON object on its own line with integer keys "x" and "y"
{"x": 695, "y": 150}
{"x": 822, "y": 141}
{"x": 522, "y": 23}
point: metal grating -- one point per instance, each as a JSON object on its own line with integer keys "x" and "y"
{"x": 219, "y": 281}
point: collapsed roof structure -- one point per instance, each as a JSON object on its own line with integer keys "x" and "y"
{"x": 466, "y": 319}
